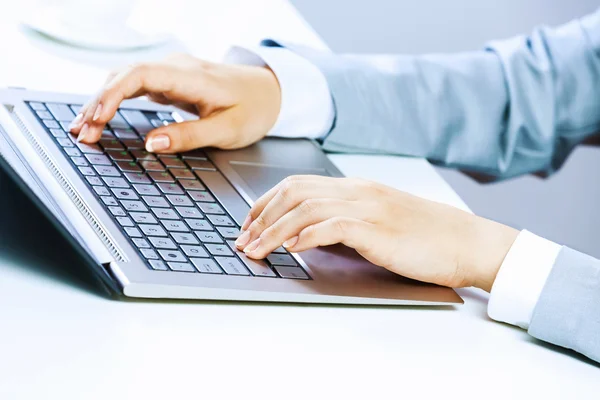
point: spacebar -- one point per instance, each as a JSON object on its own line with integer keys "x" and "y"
{"x": 225, "y": 193}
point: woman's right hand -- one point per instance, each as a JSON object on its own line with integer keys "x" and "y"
{"x": 237, "y": 104}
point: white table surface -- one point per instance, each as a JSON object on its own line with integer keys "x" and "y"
{"x": 59, "y": 339}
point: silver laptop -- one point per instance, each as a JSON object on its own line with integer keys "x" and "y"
{"x": 163, "y": 226}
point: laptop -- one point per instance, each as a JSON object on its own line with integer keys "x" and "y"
{"x": 163, "y": 226}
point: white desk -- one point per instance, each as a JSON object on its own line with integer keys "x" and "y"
{"x": 61, "y": 340}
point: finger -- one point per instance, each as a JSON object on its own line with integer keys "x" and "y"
{"x": 354, "y": 233}
{"x": 309, "y": 212}
{"x": 293, "y": 191}
{"x": 189, "y": 135}
{"x": 77, "y": 123}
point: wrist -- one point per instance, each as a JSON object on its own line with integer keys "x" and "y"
{"x": 486, "y": 249}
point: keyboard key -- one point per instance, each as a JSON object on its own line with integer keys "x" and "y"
{"x": 161, "y": 177}
{"x": 199, "y": 225}
{"x": 220, "y": 220}
{"x": 94, "y": 180}
{"x": 172, "y": 255}
{"x": 125, "y": 194}
{"x": 228, "y": 233}
{"x": 117, "y": 211}
{"x": 44, "y": 115}
{"x": 76, "y": 108}
{"x": 88, "y": 171}
{"x": 291, "y": 272}
{"x": 141, "y": 243}
{"x": 125, "y": 221}
{"x": 137, "y": 120}
{"x": 162, "y": 243}
{"x": 133, "y": 144}
{"x": 174, "y": 225}
{"x": 184, "y": 238}
{"x": 257, "y": 267}
{"x": 98, "y": 159}
{"x": 65, "y": 125}
{"x": 172, "y": 162}
{"x": 107, "y": 134}
{"x": 181, "y": 267}
{"x": 105, "y": 170}
{"x": 50, "y": 123}
{"x": 194, "y": 251}
{"x": 65, "y": 142}
{"x": 165, "y": 213}
{"x": 279, "y": 250}
{"x": 58, "y": 133}
{"x": 194, "y": 155}
{"x": 61, "y": 112}
{"x": 133, "y": 232}
{"x": 189, "y": 212}
{"x": 180, "y": 200}
{"x": 182, "y": 174}
{"x": 109, "y": 201}
{"x": 128, "y": 166}
{"x": 88, "y": 148}
{"x": 209, "y": 237}
{"x": 131, "y": 205}
{"x": 219, "y": 250}
{"x": 124, "y": 133}
{"x": 146, "y": 190}
{"x": 143, "y": 218}
{"x": 152, "y": 166}
{"x": 101, "y": 191}
{"x": 72, "y": 151}
{"x": 201, "y": 164}
{"x": 150, "y": 254}
{"x": 37, "y": 106}
{"x": 137, "y": 178}
{"x": 157, "y": 123}
{"x": 202, "y": 197}
{"x": 211, "y": 208}
{"x": 119, "y": 155}
{"x": 165, "y": 116}
{"x": 118, "y": 122}
{"x": 169, "y": 188}
{"x": 189, "y": 184}
{"x": 154, "y": 201}
{"x": 115, "y": 182}
{"x": 281, "y": 259}
{"x": 158, "y": 265}
{"x": 232, "y": 266}
{"x": 111, "y": 144}
{"x": 206, "y": 266}
{"x": 143, "y": 155}
{"x": 153, "y": 230}
{"x": 79, "y": 161}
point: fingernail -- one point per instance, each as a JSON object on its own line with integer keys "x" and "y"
{"x": 158, "y": 143}
{"x": 98, "y": 112}
{"x": 75, "y": 123}
{"x": 291, "y": 242}
{"x": 247, "y": 222}
{"x": 82, "y": 133}
{"x": 243, "y": 239}
{"x": 252, "y": 246}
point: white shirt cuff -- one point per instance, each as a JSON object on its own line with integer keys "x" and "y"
{"x": 306, "y": 105}
{"x": 521, "y": 278}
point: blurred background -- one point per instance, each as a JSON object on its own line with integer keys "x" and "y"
{"x": 564, "y": 207}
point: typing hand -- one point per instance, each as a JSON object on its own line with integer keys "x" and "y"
{"x": 237, "y": 104}
{"x": 408, "y": 235}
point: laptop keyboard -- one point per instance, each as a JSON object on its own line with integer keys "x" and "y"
{"x": 170, "y": 216}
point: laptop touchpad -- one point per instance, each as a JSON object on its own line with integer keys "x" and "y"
{"x": 260, "y": 178}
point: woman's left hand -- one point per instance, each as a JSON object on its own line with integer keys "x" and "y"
{"x": 408, "y": 235}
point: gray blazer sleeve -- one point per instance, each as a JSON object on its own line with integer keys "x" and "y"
{"x": 519, "y": 106}
{"x": 568, "y": 311}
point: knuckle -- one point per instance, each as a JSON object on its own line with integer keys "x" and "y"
{"x": 340, "y": 225}
{"x": 260, "y": 222}
{"x": 308, "y": 207}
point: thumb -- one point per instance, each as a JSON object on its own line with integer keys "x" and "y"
{"x": 189, "y": 135}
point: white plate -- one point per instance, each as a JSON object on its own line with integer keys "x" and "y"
{"x": 103, "y": 37}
